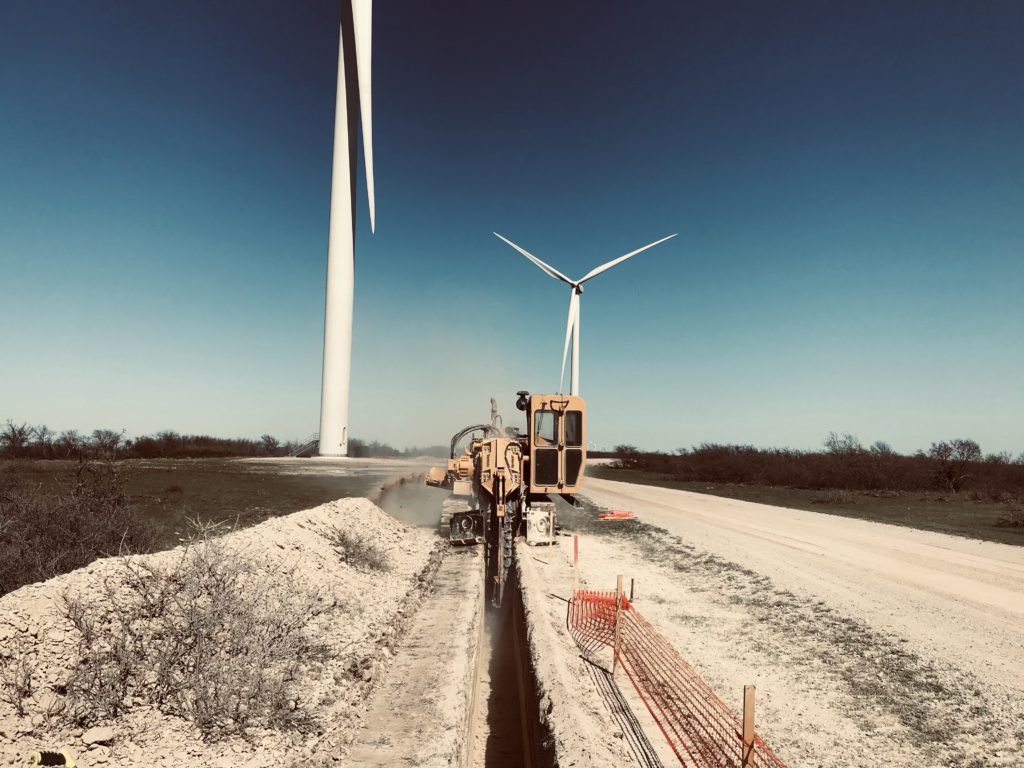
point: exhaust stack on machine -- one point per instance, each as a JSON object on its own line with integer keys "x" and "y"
{"x": 353, "y": 97}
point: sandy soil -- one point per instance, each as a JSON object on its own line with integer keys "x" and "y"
{"x": 869, "y": 644}
{"x": 421, "y": 715}
{"x": 582, "y": 724}
{"x": 360, "y": 615}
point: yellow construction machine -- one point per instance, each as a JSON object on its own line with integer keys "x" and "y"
{"x": 503, "y": 482}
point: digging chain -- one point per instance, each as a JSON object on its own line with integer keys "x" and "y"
{"x": 498, "y": 542}
{"x": 506, "y": 543}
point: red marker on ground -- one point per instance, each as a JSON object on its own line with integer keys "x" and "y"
{"x": 616, "y": 514}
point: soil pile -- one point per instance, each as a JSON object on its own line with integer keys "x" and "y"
{"x": 258, "y": 647}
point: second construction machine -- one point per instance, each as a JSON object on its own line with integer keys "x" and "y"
{"x": 502, "y": 484}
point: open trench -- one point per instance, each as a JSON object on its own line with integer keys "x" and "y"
{"x": 504, "y": 724}
{"x": 508, "y": 729}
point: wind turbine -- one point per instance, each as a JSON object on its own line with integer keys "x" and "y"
{"x": 353, "y": 98}
{"x": 572, "y": 323}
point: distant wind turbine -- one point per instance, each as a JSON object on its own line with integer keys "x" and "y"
{"x": 353, "y": 97}
{"x": 572, "y": 323}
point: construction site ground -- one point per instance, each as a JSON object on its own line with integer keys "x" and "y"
{"x": 868, "y": 644}
{"x": 422, "y": 713}
{"x": 360, "y": 618}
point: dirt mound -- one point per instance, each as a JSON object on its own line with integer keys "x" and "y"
{"x": 257, "y": 647}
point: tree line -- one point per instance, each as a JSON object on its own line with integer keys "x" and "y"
{"x": 843, "y": 463}
{"x": 23, "y": 441}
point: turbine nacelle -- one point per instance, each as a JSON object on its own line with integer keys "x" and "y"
{"x": 572, "y": 323}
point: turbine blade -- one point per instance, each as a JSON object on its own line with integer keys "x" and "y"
{"x": 551, "y": 271}
{"x": 598, "y": 270}
{"x": 362, "y": 18}
{"x": 570, "y": 327}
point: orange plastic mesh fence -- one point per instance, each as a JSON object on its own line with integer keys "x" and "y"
{"x": 700, "y": 728}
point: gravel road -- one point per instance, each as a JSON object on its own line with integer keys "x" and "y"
{"x": 870, "y": 644}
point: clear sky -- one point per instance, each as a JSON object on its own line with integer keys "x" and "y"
{"x": 847, "y": 181}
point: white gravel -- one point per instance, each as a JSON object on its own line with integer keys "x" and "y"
{"x": 870, "y": 644}
{"x": 361, "y": 615}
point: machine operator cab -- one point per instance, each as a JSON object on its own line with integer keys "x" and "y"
{"x": 558, "y": 442}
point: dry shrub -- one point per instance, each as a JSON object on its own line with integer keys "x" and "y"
{"x": 213, "y": 636}
{"x": 48, "y": 531}
{"x": 16, "y": 683}
{"x": 356, "y": 551}
{"x": 1013, "y": 518}
{"x": 953, "y": 466}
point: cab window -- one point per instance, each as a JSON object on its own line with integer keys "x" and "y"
{"x": 545, "y": 471}
{"x": 573, "y": 428}
{"x": 573, "y": 464}
{"x": 545, "y": 427}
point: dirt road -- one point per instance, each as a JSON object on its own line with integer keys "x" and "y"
{"x": 870, "y": 644}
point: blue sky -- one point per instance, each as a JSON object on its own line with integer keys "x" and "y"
{"x": 847, "y": 182}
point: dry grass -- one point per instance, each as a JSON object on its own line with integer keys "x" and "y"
{"x": 1014, "y": 518}
{"x": 356, "y": 551}
{"x": 160, "y": 496}
{"x": 213, "y": 636}
{"x": 834, "y": 496}
{"x": 966, "y": 514}
{"x": 47, "y": 529}
{"x": 56, "y": 516}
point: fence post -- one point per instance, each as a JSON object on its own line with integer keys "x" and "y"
{"x": 618, "y": 623}
{"x": 747, "y": 750}
{"x": 575, "y": 564}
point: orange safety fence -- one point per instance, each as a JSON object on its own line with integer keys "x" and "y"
{"x": 700, "y": 728}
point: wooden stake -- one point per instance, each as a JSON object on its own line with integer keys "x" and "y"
{"x": 618, "y": 625}
{"x": 747, "y": 752}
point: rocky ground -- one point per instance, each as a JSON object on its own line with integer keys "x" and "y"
{"x": 339, "y": 606}
{"x": 868, "y": 644}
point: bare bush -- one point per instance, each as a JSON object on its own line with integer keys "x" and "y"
{"x": 954, "y": 459}
{"x": 844, "y": 444}
{"x": 953, "y": 466}
{"x": 213, "y": 636}
{"x": 106, "y": 442}
{"x": 16, "y": 683}
{"x": 356, "y": 551}
{"x": 15, "y": 438}
{"x": 70, "y": 444}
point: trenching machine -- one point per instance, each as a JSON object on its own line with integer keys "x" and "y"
{"x": 503, "y": 482}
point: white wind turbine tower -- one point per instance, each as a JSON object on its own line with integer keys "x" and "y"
{"x": 353, "y": 97}
{"x": 572, "y": 324}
